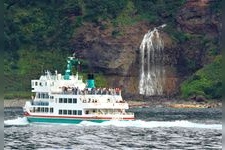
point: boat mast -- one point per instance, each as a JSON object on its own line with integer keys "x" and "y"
{"x": 71, "y": 61}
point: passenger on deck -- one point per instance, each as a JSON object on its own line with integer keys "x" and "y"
{"x": 73, "y": 90}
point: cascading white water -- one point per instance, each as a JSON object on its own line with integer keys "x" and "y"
{"x": 152, "y": 70}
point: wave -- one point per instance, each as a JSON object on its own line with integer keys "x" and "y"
{"x": 155, "y": 124}
{"x": 22, "y": 121}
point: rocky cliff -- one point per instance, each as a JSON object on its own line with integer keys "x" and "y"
{"x": 107, "y": 35}
{"x": 115, "y": 51}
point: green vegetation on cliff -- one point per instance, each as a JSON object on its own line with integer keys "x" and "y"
{"x": 205, "y": 82}
{"x": 39, "y": 35}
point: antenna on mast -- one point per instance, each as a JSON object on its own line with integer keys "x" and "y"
{"x": 70, "y": 62}
{"x": 74, "y": 54}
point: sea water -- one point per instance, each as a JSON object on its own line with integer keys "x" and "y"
{"x": 154, "y": 128}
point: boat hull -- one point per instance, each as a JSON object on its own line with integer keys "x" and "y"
{"x": 60, "y": 120}
{"x": 68, "y": 120}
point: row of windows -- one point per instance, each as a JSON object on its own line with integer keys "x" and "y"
{"x": 44, "y": 95}
{"x": 41, "y": 83}
{"x": 70, "y": 112}
{"x": 42, "y": 109}
{"x": 67, "y": 100}
{"x": 39, "y": 103}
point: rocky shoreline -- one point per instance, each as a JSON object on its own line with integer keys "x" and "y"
{"x": 175, "y": 104}
{"x": 14, "y": 103}
{"x": 141, "y": 104}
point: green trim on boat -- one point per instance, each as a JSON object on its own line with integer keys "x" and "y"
{"x": 60, "y": 120}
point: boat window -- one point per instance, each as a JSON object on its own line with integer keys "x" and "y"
{"x": 45, "y": 95}
{"x": 79, "y": 112}
{"x": 60, "y": 100}
{"x": 69, "y": 100}
{"x": 51, "y": 110}
{"x": 42, "y": 109}
{"x": 36, "y": 83}
{"x": 40, "y": 84}
{"x": 65, "y": 100}
{"x": 60, "y": 111}
{"x": 69, "y": 112}
{"x": 38, "y": 109}
{"x": 74, "y": 100}
{"x": 65, "y": 112}
{"x": 39, "y": 95}
{"x": 74, "y": 112}
{"x": 46, "y": 109}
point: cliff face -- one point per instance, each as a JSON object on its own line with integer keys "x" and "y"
{"x": 116, "y": 56}
{"x": 199, "y": 17}
{"x": 107, "y": 36}
{"x": 201, "y": 20}
{"x": 115, "y": 51}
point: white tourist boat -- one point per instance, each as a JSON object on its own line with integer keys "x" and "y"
{"x": 67, "y": 99}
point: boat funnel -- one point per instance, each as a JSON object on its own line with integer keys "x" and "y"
{"x": 90, "y": 81}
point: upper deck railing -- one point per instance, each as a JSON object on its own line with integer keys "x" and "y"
{"x": 93, "y": 91}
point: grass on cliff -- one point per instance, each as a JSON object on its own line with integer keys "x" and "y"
{"x": 17, "y": 95}
{"x": 205, "y": 82}
{"x": 32, "y": 66}
{"x": 25, "y": 93}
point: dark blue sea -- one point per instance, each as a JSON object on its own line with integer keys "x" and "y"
{"x": 154, "y": 128}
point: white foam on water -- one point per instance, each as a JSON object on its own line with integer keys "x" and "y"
{"x": 20, "y": 121}
{"x": 154, "y": 124}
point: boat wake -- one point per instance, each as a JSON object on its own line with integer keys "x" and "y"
{"x": 137, "y": 123}
{"x": 20, "y": 121}
{"x": 155, "y": 124}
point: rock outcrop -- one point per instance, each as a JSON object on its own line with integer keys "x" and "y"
{"x": 202, "y": 24}
{"x": 115, "y": 51}
{"x": 199, "y": 17}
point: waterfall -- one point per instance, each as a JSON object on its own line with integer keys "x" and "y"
{"x": 152, "y": 70}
